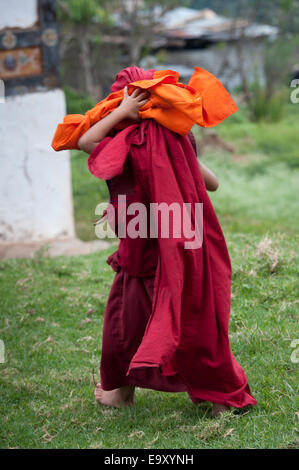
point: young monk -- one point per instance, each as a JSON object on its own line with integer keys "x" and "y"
{"x": 128, "y": 110}
{"x": 167, "y": 315}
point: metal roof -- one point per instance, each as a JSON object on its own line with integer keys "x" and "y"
{"x": 187, "y": 23}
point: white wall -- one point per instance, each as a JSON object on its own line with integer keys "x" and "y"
{"x": 18, "y": 13}
{"x": 35, "y": 181}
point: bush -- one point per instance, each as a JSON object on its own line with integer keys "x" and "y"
{"x": 77, "y": 103}
{"x": 264, "y": 105}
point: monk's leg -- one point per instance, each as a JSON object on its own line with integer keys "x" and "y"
{"x": 219, "y": 408}
{"x": 127, "y": 312}
{"x": 120, "y": 397}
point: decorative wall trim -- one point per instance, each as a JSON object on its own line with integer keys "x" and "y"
{"x": 16, "y": 51}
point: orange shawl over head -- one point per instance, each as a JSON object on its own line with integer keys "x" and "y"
{"x": 204, "y": 101}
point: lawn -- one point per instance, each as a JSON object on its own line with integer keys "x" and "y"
{"x": 52, "y": 313}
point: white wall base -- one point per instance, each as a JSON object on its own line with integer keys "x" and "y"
{"x": 35, "y": 181}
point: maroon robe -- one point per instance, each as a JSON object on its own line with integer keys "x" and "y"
{"x": 167, "y": 317}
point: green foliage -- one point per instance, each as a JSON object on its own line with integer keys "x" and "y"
{"x": 269, "y": 142}
{"x": 77, "y": 103}
{"x": 165, "y": 4}
{"x": 82, "y": 11}
{"x": 268, "y": 101}
{"x": 161, "y": 56}
{"x": 262, "y": 106}
{"x": 280, "y": 57}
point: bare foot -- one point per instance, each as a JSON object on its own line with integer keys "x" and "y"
{"x": 218, "y": 409}
{"x": 119, "y": 397}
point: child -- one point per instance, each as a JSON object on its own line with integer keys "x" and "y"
{"x": 166, "y": 318}
{"x": 128, "y": 110}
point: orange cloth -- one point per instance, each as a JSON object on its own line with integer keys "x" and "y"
{"x": 204, "y": 101}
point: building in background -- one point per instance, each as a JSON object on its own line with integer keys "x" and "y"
{"x": 35, "y": 182}
{"x": 225, "y": 47}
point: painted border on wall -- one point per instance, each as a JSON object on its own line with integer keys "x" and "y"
{"x": 44, "y": 35}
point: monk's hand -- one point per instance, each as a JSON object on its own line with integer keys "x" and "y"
{"x": 131, "y": 104}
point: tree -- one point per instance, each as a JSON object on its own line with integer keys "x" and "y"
{"x": 141, "y": 19}
{"x": 82, "y": 21}
{"x": 98, "y": 27}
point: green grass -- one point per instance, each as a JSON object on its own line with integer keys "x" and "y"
{"x": 52, "y": 315}
{"x": 88, "y": 191}
{"x": 51, "y": 352}
{"x": 278, "y": 141}
{"x": 255, "y": 195}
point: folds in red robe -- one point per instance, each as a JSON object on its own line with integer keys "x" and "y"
{"x": 186, "y": 336}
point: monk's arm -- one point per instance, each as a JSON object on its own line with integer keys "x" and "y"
{"x": 209, "y": 177}
{"x": 90, "y": 139}
{"x": 128, "y": 109}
